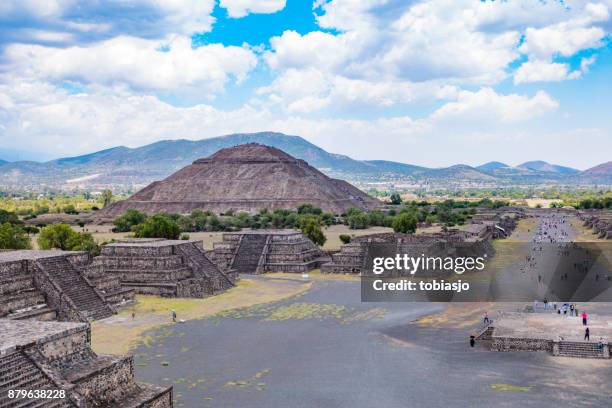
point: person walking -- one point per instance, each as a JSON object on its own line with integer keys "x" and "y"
{"x": 486, "y": 318}
{"x": 584, "y": 318}
{"x": 174, "y": 316}
{"x": 587, "y": 334}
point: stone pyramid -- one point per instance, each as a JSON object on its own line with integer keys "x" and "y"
{"x": 246, "y": 177}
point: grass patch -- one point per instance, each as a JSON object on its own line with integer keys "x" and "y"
{"x": 510, "y": 388}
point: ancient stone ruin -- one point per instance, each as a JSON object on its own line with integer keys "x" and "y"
{"x": 267, "y": 251}
{"x": 486, "y": 225}
{"x": 353, "y": 257}
{"x": 173, "y": 268}
{"x": 544, "y": 331}
{"x": 57, "y": 356}
{"x": 48, "y": 285}
{"x": 248, "y": 178}
{"x": 598, "y": 220}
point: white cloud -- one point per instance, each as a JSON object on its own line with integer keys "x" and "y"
{"x": 135, "y": 62}
{"x": 93, "y": 21}
{"x": 240, "y": 8}
{"x": 568, "y": 37}
{"x": 538, "y": 71}
{"x": 310, "y": 90}
{"x": 535, "y": 71}
{"x": 488, "y": 106}
{"x": 56, "y": 121}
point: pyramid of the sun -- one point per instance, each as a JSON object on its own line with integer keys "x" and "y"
{"x": 247, "y": 177}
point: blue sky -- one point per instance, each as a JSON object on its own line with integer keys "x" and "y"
{"x": 425, "y": 82}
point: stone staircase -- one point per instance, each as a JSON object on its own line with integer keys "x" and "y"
{"x": 581, "y": 350}
{"x": 203, "y": 267}
{"x": 249, "y": 252}
{"x": 28, "y": 377}
{"x": 86, "y": 299}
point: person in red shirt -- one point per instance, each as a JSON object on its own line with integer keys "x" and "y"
{"x": 584, "y": 318}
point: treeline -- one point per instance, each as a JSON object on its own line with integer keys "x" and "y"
{"x": 14, "y": 234}
{"x": 594, "y": 203}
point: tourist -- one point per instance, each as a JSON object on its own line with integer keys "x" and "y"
{"x": 174, "y": 316}
{"x": 572, "y": 309}
{"x": 587, "y": 334}
{"x": 600, "y": 345}
{"x": 545, "y": 303}
{"x": 472, "y": 341}
{"x": 133, "y": 315}
{"x": 584, "y": 318}
{"x": 486, "y": 318}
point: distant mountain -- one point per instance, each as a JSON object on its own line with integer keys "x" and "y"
{"x": 601, "y": 174}
{"x": 492, "y": 165}
{"x": 547, "y": 167}
{"x": 123, "y": 167}
{"x": 2, "y": 162}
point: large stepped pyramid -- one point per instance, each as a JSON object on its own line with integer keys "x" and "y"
{"x": 58, "y": 356}
{"x": 246, "y": 177}
{"x": 49, "y": 285}
{"x": 260, "y": 251}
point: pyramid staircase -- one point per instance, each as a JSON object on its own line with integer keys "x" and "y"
{"x": 249, "y": 252}
{"x": 202, "y": 267}
{"x": 75, "y": 286}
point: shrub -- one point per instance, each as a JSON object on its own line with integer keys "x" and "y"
{"x": 157, "y": 226}
{"x": 129, "y": 219}
{"x": 13, "y": 237}
{"x": 405, "y": 223}
{"x": 346, "y": 239}
{"x": 311, "y": 227}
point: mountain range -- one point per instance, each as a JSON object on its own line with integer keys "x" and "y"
{"x": 123, "y": 167}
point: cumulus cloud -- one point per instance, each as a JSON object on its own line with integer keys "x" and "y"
{"x": 486, "y": 105}
{"x": 86, "y": 22}
{"x": 240, "y": 8}
{"x": 138, "y": 63}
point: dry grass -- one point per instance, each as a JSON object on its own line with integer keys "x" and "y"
{"x": 120, "y": 333}
{"x": 314, "y": 275}
{"x": 583, "y": 234}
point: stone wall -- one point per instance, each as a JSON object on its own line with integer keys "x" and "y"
{"x": 520, "y": 344}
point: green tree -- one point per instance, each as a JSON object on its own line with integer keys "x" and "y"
{"x": 13, "y": 237}
{"x": 70, "y": 209}
{"x": 6, "y": 216}
{"x": 107, "y": 197}
{"x": 311, "y": 227}
{"x": 157, "y": 226}
{"x": 56, "y": 236}
{"x": 405, "y": 223}
{"x": 83, "y": 241}
{"x": 395, "y": 199}
{"x": 357, "y": 219}
{"x": 129, "y": 218}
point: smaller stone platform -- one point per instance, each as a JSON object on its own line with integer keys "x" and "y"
{"x": 260, "y": 251}
{"x": 558, "y": 334}
{"x": 172, "y": 268}
{"x": 49, "y": 285}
